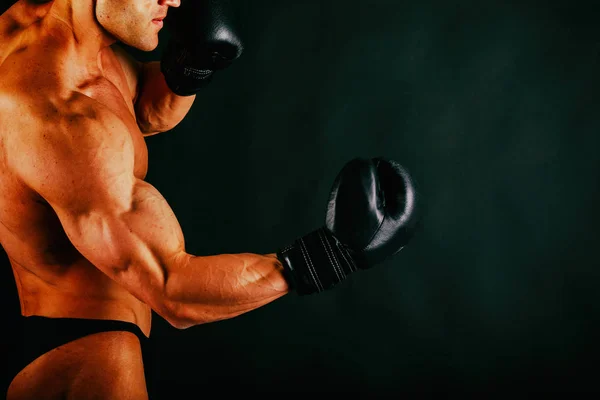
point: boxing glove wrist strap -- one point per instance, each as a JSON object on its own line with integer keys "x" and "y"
{"x": 179, "y": 67}
{"x": 316, "y": 262}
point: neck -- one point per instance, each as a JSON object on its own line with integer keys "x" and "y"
{"x": 73, "y": 23}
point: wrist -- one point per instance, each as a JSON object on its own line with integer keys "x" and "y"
{"x": 316, "y": 262}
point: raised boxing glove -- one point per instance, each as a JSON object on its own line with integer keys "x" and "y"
{"x": 371, "y": 215}
{"x": 204, "y": 39}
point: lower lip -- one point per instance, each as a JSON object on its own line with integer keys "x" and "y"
{"x": 157, "y": 22}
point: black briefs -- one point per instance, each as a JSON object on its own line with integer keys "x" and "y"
{"x": 42, "y": 334}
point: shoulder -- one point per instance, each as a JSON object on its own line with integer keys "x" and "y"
{"x": 73, "y": 143}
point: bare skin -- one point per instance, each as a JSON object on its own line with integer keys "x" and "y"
{"x": 86, "y": 236}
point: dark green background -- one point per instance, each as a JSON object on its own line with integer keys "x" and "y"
{"x": 494, "y": 108}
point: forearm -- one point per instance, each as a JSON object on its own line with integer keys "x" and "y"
{"x": 157, "y": 108}
{"x": 190, "y": 290}
{"x": 213, "y": 288}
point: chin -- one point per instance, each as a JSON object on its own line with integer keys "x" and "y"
{"x": 143, "y": 46}
{"x": 151, "y": 47}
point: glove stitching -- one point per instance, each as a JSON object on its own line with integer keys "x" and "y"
{"x": 334, "y": 261}
{"x": 350, "y": 261}
{"x": 287, "y": 248}
{"x": 311, "y": 270}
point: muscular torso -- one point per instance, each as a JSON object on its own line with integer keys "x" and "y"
{"x": 53, "y": 278}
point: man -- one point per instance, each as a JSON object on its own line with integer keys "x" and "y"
{"x": 93, "y": 247}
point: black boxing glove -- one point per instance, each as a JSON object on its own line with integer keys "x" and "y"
{"x": 371, "y": 215}
{"x": 203, "y": 40}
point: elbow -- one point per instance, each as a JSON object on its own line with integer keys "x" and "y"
{"x": 151, "y": 121}
{"x": 183, "y": 315}
{"x": 150, "y": 127}
{"x": 175, "y": 320}
{"x": 179, "y": 323}
{"x": 173, "y": 312}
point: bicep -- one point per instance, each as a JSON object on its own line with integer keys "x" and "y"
{"x": 133, "y": 245}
